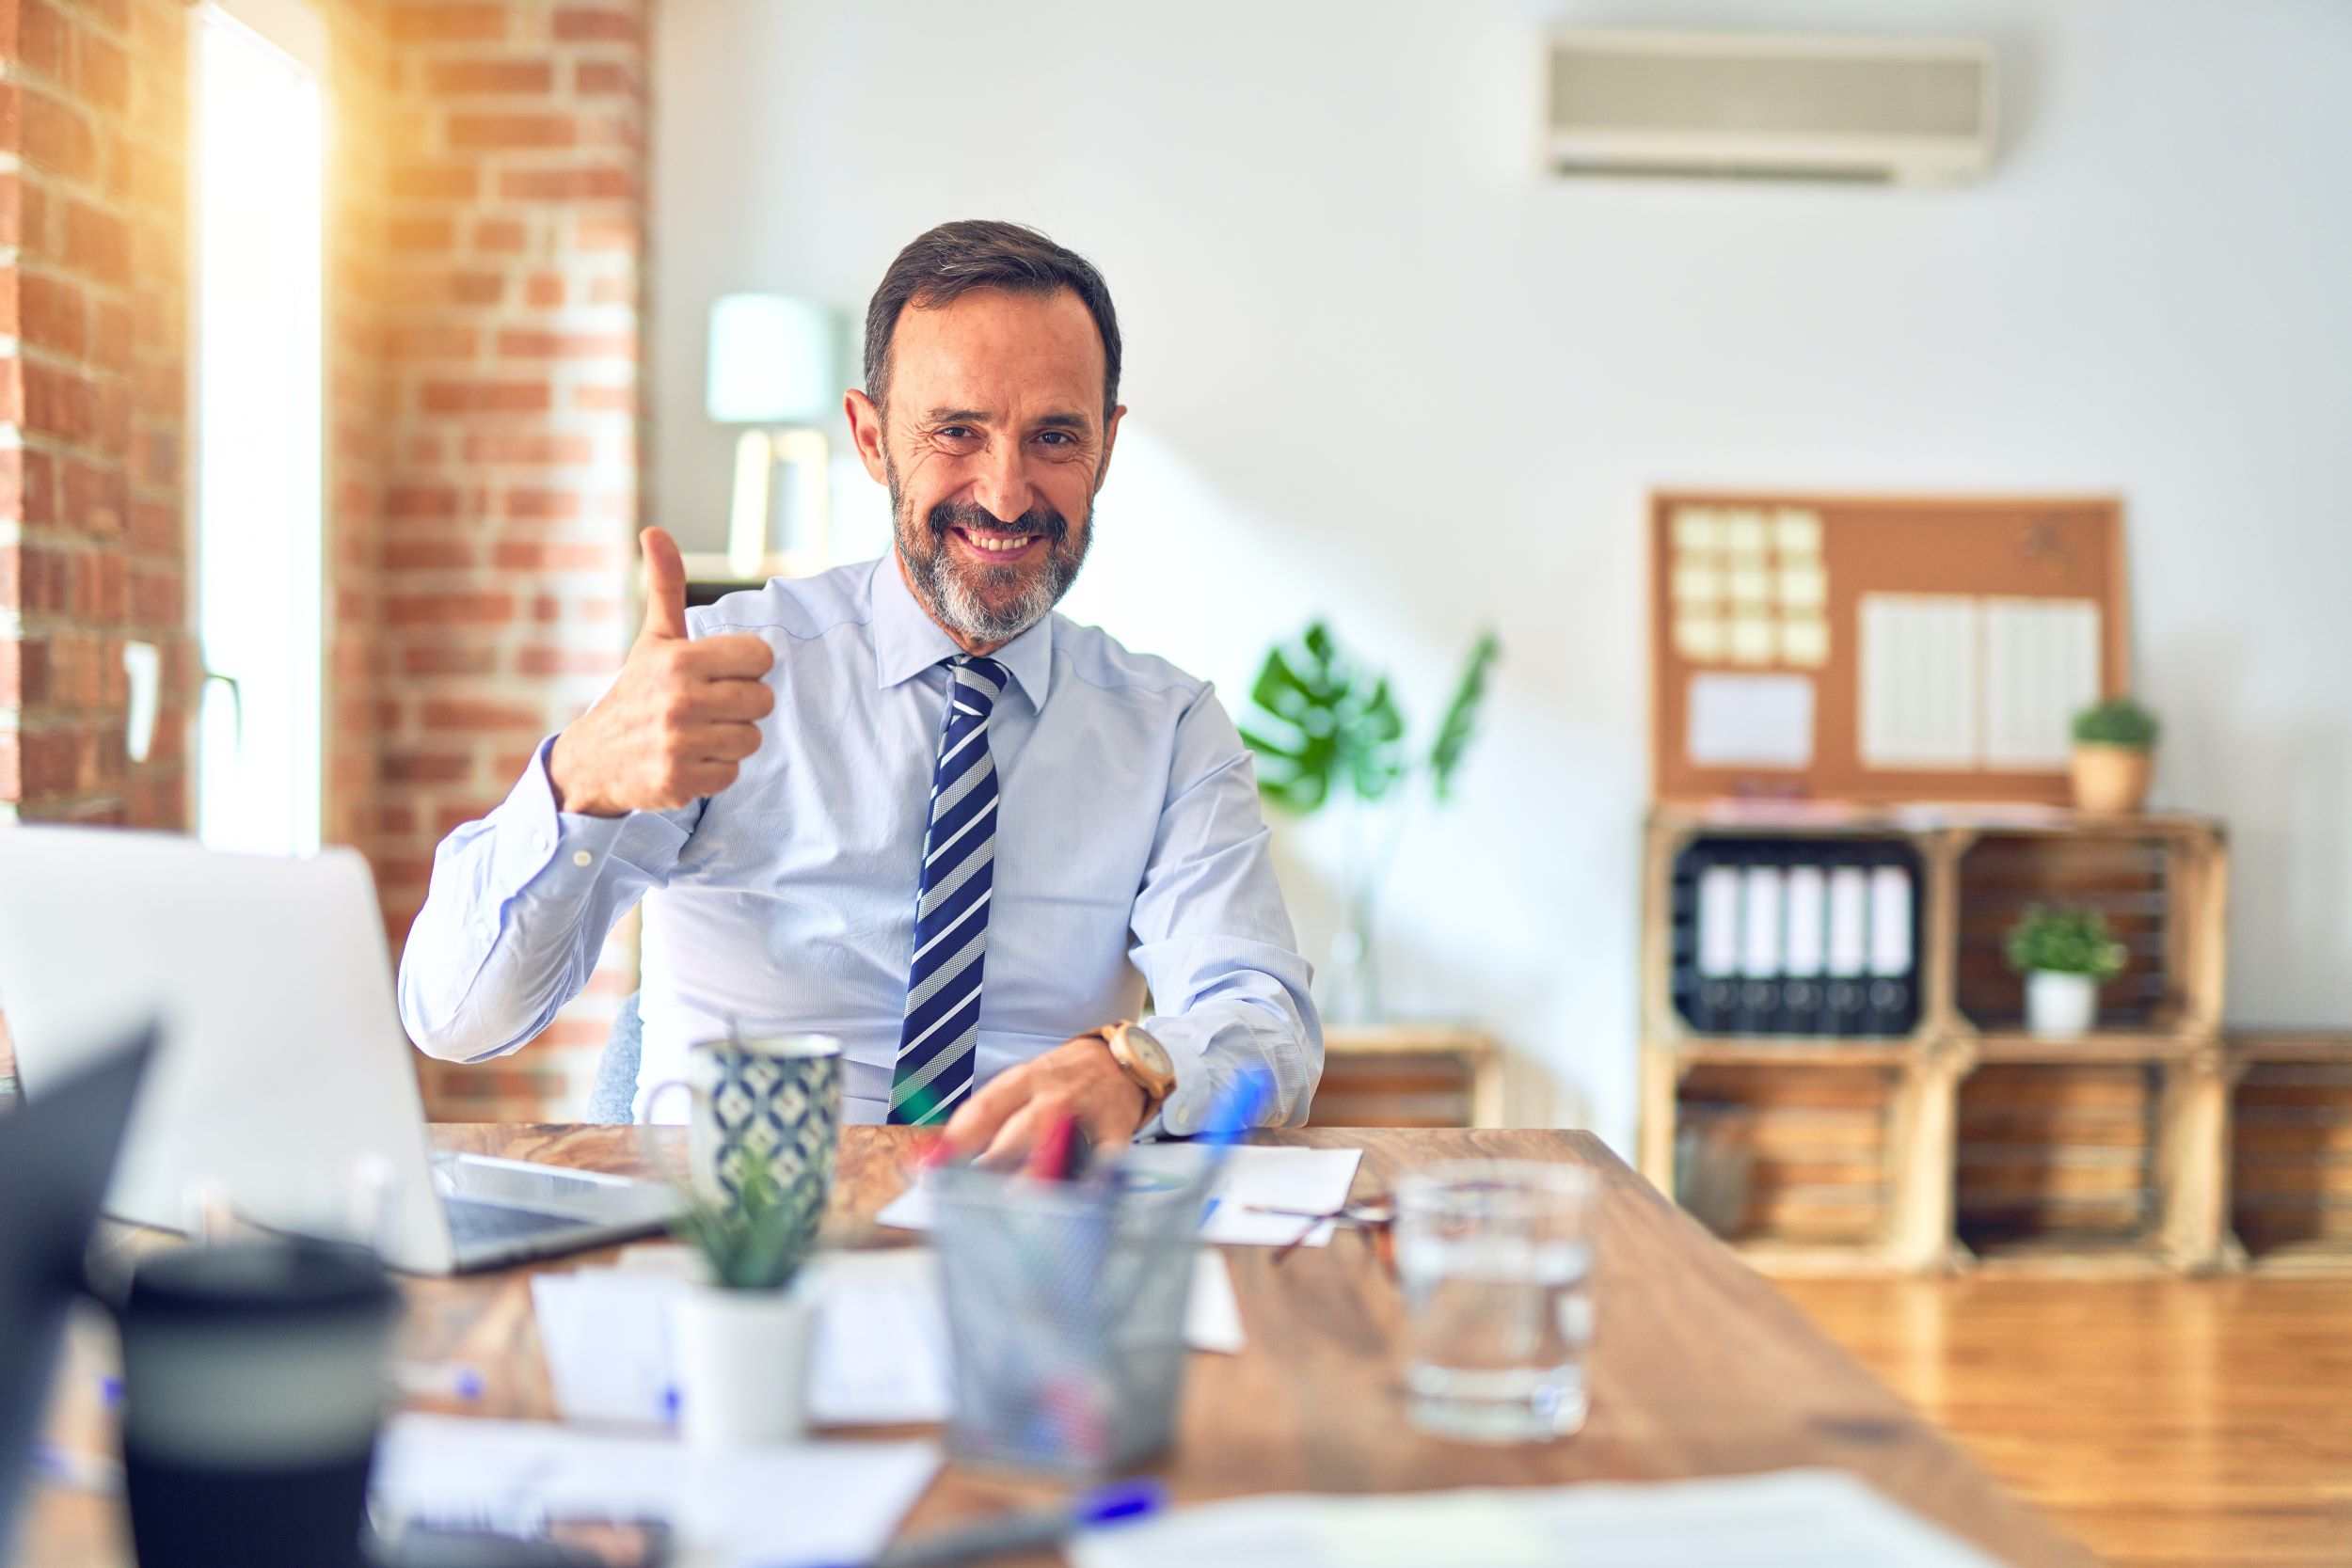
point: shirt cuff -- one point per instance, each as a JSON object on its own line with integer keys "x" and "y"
{"x": 1186, "y": 1107}
{"x": 555, "y": 853}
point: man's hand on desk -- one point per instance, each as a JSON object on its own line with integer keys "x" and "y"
{"x": 680, "y": 719}
{"x": 1004, "y": 1119}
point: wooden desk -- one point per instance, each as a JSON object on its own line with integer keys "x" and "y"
{"x": 1699, "y": 1368}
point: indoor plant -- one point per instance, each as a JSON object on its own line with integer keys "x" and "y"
{"x": 1326, "y": 726}
{"x": 2064, "y": 954}
{"x": 2115, "y": 744}
{"x": 739, "y": 1335}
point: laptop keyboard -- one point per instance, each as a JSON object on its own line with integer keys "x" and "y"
{"x": 476, "y": 1226}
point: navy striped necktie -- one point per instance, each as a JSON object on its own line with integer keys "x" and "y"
{"x": 939, "y": 1038}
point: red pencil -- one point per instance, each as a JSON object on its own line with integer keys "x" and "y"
{"x": 1050, "y": 1160}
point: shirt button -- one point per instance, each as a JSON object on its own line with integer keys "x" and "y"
{"x": 546, "y": 844}
{"x": 581, "y": 857}
{"x": 486, "y": 930}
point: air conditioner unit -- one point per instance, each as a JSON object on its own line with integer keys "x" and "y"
{"x": 1905, "y": 111}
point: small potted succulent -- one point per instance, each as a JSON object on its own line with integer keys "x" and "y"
{"x": 2064, "y": 954}
{"x": 739, "y": 1334}
{"x": 2115, "y": 745}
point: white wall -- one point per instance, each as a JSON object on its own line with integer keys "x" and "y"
{"x": 1380, "y": 367}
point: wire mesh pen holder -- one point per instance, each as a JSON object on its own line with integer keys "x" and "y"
{"x": 1066, "y": 1316}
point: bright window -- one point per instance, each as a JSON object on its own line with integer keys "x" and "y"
{"x": 258, "y": 376}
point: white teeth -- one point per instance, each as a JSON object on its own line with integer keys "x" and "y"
{"x": 996, "y": 545}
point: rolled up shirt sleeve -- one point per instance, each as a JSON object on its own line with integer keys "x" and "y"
{"x": 1212, "y": 939}
{"x": 518, "y": 908}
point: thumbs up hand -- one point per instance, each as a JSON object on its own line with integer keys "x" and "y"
{"x": 680, "y": 719}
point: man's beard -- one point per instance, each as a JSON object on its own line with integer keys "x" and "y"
{"x": 979, "y": 603}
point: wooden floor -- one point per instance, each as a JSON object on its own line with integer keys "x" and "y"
{"x": 2163, "y": 1422}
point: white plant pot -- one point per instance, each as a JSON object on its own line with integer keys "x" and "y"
{"x": 2059, "y": 1007}
{"x": 741, "y": 1362}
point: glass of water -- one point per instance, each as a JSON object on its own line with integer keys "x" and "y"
{"x": 1495, "y": 1257}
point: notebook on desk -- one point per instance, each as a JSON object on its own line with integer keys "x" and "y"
{"x": 281, "y": 1084}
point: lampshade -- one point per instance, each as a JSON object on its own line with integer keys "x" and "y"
{"x": 774, "y": 359}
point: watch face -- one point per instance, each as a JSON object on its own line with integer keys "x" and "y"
{"x": 1149, "y": 1055}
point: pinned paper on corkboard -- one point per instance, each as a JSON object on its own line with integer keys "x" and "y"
{"x": 1879, "y": 649}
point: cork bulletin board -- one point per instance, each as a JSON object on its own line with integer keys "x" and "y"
{"x": 1879, "y": 649}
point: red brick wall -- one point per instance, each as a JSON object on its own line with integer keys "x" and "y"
{"x": 513, "y": 291}
{"x": 93, "y": 554}
{"x": 485, "y": 265}
{"x": 357, "y": 410}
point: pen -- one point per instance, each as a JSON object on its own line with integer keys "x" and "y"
{"x": 1051, "y": 1160}
{"x": 1029, "y": 1529}
{"x": 76, "y": 1471}
{"x": 445, "y": 1380}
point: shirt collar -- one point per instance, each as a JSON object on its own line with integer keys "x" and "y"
{"x": 907, "y": 641}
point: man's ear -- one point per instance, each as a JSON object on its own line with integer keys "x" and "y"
{"x": 866, "y": 430}
{"x": 1111, "y": 438}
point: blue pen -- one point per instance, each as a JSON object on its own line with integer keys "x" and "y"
{"x": 1237, "y": 1107}
{"x": 1030, "y": 1530}
{"x": 1239, "y": 1104}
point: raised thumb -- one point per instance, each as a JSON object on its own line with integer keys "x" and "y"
{"x": 665, "y": 587}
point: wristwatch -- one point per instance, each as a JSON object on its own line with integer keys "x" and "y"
{"x": 1143, "y": 1059}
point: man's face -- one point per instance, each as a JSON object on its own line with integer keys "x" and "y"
{"x": 993, "y": 446}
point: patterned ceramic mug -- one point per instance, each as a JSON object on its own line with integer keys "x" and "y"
{"x": 775, "y": 1098}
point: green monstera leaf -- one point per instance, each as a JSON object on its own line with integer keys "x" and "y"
{"x": 1461, "y": 715}
{"x": 1322, "y": 722}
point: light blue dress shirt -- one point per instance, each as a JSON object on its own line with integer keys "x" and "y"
{"x": 1130, "y": 853}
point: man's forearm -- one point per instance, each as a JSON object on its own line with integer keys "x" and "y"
{"x": 1246, "y": 1021}
{"x": 518, "y": 908}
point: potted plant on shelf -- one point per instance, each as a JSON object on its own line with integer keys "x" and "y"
{"x": 1324, "y": 728}
{"x": 2064, "y": 954}
{"x": 2115, "y": 745}
{"x": 739, "y": 1335}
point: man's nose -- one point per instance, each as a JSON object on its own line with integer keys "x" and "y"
{"x": 1002, "y": 485}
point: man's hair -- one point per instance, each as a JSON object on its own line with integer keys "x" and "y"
{"x": 942, "y": 266}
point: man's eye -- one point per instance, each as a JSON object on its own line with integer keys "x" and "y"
{"x": 1056, "y": 437}
{"x": 957, "y": 433}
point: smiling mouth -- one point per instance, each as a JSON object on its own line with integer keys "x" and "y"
{"x": 993, "y": 547}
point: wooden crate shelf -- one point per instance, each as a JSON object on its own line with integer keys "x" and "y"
{"x": 2291, "y": 1152}
{"x": 1801, "y": 1156}
{"x": 2052, "y": 1156}
{"x": 1992, "y": 1150}
{"x": 1408, "y": 1075}
{"x": 2118, "y": 1046}
{"x": 2153, "y": 888}
{"x": 1797, "y": 1050}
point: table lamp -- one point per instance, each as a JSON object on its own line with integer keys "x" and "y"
{"x": 775, "y": 366}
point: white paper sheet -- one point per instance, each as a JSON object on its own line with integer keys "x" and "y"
{"x": 1306, "y": 1181}
{"x": 1301, "y": 1180}
{"x": 881, "y": 1350}
{"x": 1920, "y": 686}
{"x": 1949, "y": 681}
{"x": 879, "y": 1355}
{"x": 801, "y": 1504}
{"x": 1750, "y": 721}
{"x": 1212, "y": 1311}
{"x": 606, "y": 1336}
{"x": 2041, "y": 668}
{"x": 1789, "y": 1519}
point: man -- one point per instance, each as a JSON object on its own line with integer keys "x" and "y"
{"x": 904, "y": 803}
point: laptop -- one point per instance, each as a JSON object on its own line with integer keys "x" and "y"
{"x": 53, "y": 1162}
{"x": 282, "y": 1084}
